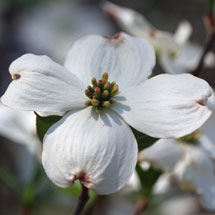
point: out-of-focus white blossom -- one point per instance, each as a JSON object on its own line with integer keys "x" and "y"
{"x": 175, "y": 53}
{"x": 179, "y": 205}
{"x": 20, "y": 127}
{"x": 192, "y": 164}
{"x": 93, "y": 142}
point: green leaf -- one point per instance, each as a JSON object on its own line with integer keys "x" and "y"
{"x": 212, "y": 7}
{"x": 147, "y": 179}
{"x": 44, "y": 123}
{"x": 7, "y": 178}
{"x": 72, "y": 192}
{"x": 143, "y": 140}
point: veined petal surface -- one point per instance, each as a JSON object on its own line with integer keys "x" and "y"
{"x": 127, "y": 60}
{"x": 99, "y": 150}
{"x": 166, "y": 106}
{"x": 42, "y": 85}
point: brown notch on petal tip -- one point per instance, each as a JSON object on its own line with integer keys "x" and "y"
{"x": 153, "y": 33}
{"x": 16, "y": 76}
{"x": 116, "y": 39}
{"x": 200, "y": 102}
{"x": 83, "y": 178}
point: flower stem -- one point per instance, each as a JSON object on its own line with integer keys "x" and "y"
{"x": 83, "y": 198}
{"x": 141, "y": 206}
{"x": 208, "y": 46}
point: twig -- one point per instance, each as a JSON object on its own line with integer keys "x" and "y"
{"x": 141, "y": 206}
{"x": 25, "y": 211}
{"x": 83, "y": 198}
{"x": 208, "y": 46}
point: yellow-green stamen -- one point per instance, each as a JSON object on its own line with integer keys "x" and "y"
{"x": 101, "y": 93}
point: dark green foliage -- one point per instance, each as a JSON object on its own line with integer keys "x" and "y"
{"x": 150, "y": 176}
{"x": 143, "y": 140}
{"x": 147, "y": 179}
{"x": 44, "y": 123}
{"x": 212, "y": 7}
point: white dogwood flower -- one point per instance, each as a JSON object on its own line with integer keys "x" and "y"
{"x": 175, "y": 53}
{"x": 93, "y": 142}
{"x": 190, "y": 159}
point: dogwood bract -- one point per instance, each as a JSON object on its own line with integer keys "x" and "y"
{"x": 93, "y": 142}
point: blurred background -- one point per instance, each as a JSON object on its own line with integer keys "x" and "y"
{"x": 50, "y": 27}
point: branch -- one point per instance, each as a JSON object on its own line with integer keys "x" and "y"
{"x": 25, "y": 211}
{"x": 83, "y": 198}
{"x": 208, "y": 46}
{"x": 141, "y": 206}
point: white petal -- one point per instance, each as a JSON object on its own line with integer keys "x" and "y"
{"x": 101, "y": 148}
{"x": 164, "y": 154}
{"x": 40, "y": 84}
{"x": 197, "y": 170}
{"x": 127, "y": 60}
{"x": 183, "y": 32}
{"x": 130, "y": 21}
{"x": 166, "y": 106}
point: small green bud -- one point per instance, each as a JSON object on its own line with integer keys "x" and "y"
{"x": 106, "y": 104}
{"x": 90, "y": 88}
{"x": 100, "y": 83}
{"x": 94, "y": 82}
{"x": 112, "y": 101}
{"x": 105, "y": 77}
{"x": 107, "y": 86}
{"x": 105, "y": 94}
{"x": 97, "y": 93}
{"x": 112, "y": 85}
{"x": 95, "y": 102}
{"x": 114, "y": 91}
{"x": 88, "y": 103}
{"x": 88, "y": 94}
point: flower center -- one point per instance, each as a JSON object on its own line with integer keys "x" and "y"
{"x": 101, "y": 93}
